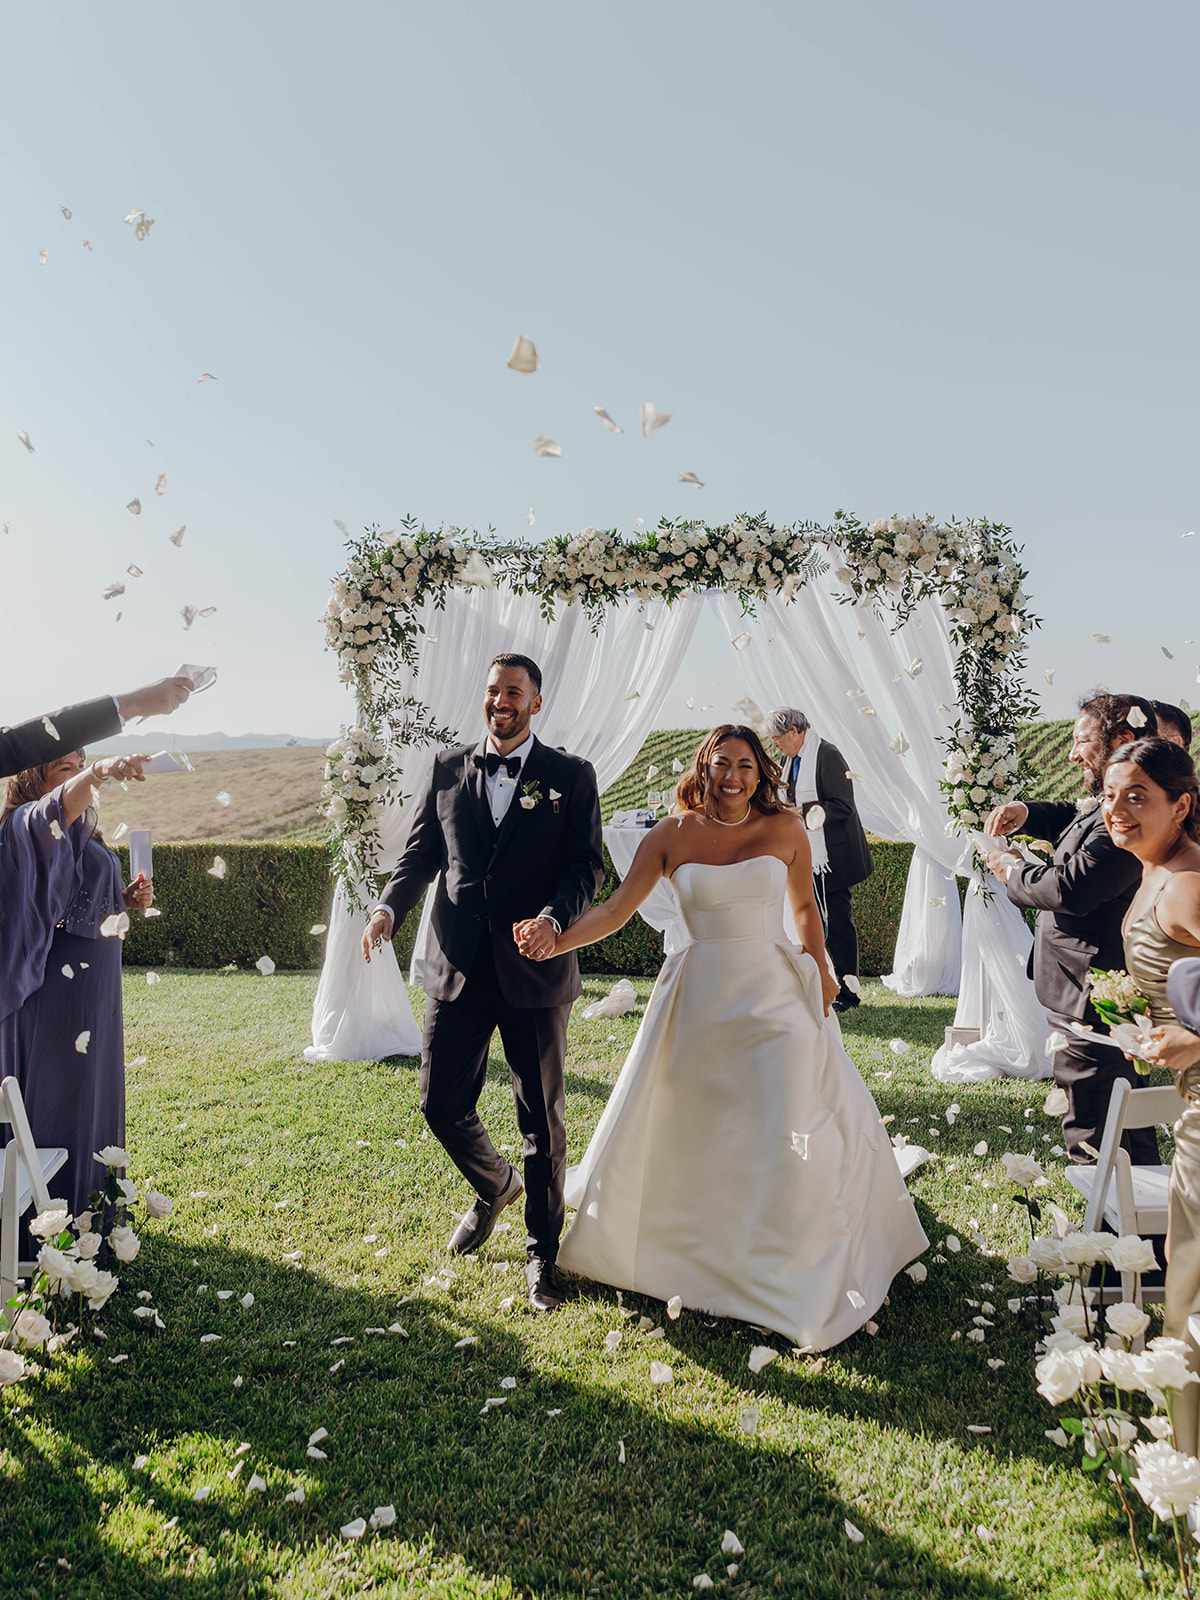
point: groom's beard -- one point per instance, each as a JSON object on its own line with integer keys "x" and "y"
{"x": 508, "y": 729}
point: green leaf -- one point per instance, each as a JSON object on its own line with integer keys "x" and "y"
{"x": 1035, "y": 1210}
{"x": 1092, "y": 1463}
{"x": 1071, "y": 1425}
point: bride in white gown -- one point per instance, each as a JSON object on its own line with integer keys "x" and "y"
{"x": 740, "y": 1162}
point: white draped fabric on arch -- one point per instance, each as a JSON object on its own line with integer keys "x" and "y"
{"x": 873, "y": 692}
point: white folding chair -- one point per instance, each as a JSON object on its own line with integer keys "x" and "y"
{"x": 24, "y": 1171}
{"x": 1130, "y": 1199}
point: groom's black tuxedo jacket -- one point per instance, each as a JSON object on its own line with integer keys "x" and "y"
{"x": 30, "y": 745}
{"x": 1081, "y": 897}
{"x": 544, "y": 859}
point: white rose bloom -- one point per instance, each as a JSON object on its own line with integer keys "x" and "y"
{"x": 100, "y": 1290}
{"x": 1084, "y": 1249}
{"x": 1021, "y": 1269}
{"x": 58, "y": 1267}
{"x": 12, "y": 1367}
{"x": 1111, "y": 1433}
{"x": 157, "y": 1205}
{"x": 1058, "y": 1377}
{"x": 336, "y": 808}
{"x": 1122, "y": 1369}
{"x": 87, "y": 1245}
{"x": 1019, "y": 1169}
{"x": 31, "y": 1328}
{"x": 1127, "y": 1320}
{"x": 125, "y": 1243}
{"x": 1167, "y": 1480}
{"x": 1131, "y": 1254}
{"x": 111, "y": 1156}
{"x": 50, "y": 1223}
{"x": 1072, "y": 1319}
{"x": 1164, "y": 1364}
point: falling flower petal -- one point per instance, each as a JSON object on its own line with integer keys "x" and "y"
{"x": 477, "y": 571}
{"x": 160, "y": 488}
{"x": 110, "y": 591}
{"x": 814, "y": 818}
{"x": 115, "y": 926}
{"x": 800, "y": 1145}
{"x": 690, "y": 477}
{"x": 741, "y": 641}
{"x": 652, "y": 420}
{"x": 217, "y": 870}
{"x": 542, "y": 446}
{"x": 899, "y": 1047}
{"x": 1102, "y": 638}
{"x": 188, "y": 613}
{"x": 135, "y": 506}
{"x": 900, "y": 745}
{"x": 265, "y": 965}
{"x": 1056, "y": 1103}
{"x": 177, "y": 536}
{"x": 204, "y": 375}
{"x": 24, "y": 438}
{"x": 224, "y": 798}
{"x": 855, "y": 1299}
{"x": 318, "y": 927}
{"x": 1166, "y": 652}
{"x": 607, "y": 420}
{"x": 524, "y": 357}
{"x": 43, "y": 256}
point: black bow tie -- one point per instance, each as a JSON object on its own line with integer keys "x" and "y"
{"x": 493, "y": 762}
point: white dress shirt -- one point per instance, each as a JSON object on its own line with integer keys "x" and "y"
{"x": 498, "y": 786}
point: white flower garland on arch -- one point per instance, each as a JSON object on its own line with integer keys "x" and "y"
{"x": 372, "y": 624}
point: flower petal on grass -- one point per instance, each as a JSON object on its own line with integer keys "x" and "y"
{"x": 353, "y": 1530}
{"x": 748, "y": 1420}
{"x": 296, "y": 1497}
{"x": 855, "y": 1535}
{"x": 661, "y": 1374}
{"x": 383, "y": 1516}
{"x": 762, "y": 1356}
{"x": 674, "y": 1307}
{"x": 731, "y": 1545}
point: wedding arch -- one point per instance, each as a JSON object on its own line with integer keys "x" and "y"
{"x": 912, "y": 664}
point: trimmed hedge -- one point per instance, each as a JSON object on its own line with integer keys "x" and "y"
{"x": 272, "y": 894}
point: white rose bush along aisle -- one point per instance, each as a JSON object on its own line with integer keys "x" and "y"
{"x": 66, "y": 1266}
{"x": 373, "y": 624}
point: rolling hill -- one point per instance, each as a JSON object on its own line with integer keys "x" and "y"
{"x": 275, "y": 793}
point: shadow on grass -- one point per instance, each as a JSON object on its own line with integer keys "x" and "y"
{"x": 516, "y": 1495}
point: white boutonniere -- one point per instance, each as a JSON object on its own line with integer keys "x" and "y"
{"x": 1087, "y": 805}
{"x": 530, "y": 794}
{"x": 555, "y": 797}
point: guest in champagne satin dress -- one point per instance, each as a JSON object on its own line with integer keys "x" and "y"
{"x": 1152, "y": 809}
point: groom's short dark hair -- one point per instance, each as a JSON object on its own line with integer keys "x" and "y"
{"x": 509, "y": 658}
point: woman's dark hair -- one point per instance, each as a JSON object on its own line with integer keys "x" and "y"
{"x": 1112, "y": 711}
{"x": 691, "y": 791}
{"x": 510, "y": 658}
{"x": 1174, "y": 717}
{"x": 1168, "y": 766}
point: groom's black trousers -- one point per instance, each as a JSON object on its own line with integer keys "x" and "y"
{"x": 454, "y": 1052}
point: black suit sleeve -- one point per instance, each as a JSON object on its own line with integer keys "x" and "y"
{"x": 1048, "y": 818}
{"x": 834, "y": 787}
{"x": 420, "y": 862}
{"x": 1091, "y": 875}
{"x": 30, "y": 745}
{"x": 582, "y": 870}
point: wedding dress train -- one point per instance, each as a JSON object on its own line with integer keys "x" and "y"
{"x": 740, "y": 1162}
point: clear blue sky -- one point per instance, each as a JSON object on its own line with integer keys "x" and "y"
{"x": 920, "y": 256}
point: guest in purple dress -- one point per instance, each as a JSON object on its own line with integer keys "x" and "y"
{"x": 61, "y": 1030}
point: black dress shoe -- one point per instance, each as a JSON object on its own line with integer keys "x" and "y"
{"x": 545, "y": 1291}
{"x": 846, "y": 1001}
{"x": 477, "y": 1224}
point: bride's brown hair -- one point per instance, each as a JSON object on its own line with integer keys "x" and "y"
{"x": 691, "y": 792}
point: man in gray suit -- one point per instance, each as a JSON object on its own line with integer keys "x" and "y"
{"x": 1081, "y": 896}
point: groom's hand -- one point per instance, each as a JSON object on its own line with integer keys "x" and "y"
{"x": 1006, "y": 819}
{"x": 535, "y": 938}
{"x": 378, "y": 929}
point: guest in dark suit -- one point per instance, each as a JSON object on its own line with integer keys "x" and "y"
{"x": 1081, "y": 896}
{"x": 511, "y": 830}
{"x": 816, "y": 775}
{"x": 45, "y": 739}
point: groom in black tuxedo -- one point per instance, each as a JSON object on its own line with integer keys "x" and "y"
{"x": 511, "y": 830}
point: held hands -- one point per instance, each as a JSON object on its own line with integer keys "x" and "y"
{"x": 1006, "y": 819}
{"x": 536, "y": 938}
{"x": 139, "y": 894}
{"x": 377, "y": 930}
{"x": 1172, "y": 1047}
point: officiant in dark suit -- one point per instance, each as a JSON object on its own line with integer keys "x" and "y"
{"x": 816, "y": 775}
{"x": 1081, "y": 896}
{"x": 511, "y": 830}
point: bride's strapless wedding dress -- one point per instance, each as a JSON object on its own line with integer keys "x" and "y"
{"x": 740, "y": 1162}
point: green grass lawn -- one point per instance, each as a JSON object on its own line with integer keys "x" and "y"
{"x": 267, "y": 1156}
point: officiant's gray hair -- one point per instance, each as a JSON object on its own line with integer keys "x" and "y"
{"x": 783, "y": 718}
